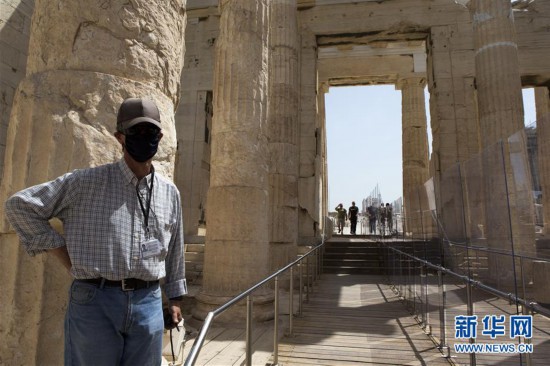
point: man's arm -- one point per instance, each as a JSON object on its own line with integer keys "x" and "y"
{"x": 176, "y": 285}
{"x": 30, "y": 210}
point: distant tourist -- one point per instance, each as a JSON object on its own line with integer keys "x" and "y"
{"x": 341, "y": 217}
{"x": 371, "y": 212}
{"x": 389, "y": 217}
{"x": 352, "y": 212}
{"x": 382, "y": 218}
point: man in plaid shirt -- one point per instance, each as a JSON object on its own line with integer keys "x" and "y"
{"x": 123, "y": 232}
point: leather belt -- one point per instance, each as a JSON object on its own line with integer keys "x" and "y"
{"x": 127, "y": 284}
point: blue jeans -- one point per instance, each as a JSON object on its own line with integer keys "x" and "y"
{"x": 108, "y": 326}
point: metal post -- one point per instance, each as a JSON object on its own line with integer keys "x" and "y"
{"x": 422, "y": 295}
{"x": 321, "y": 260}
{"x": 391, "y": 256}
{"x": 301, "y": 289}
{"x": 407, "y": 286}
{"x": 307, "y": 278}
{"x": 410, "y": 285}
{"x": 318, "y": 272}
{"x": 470, "y": 312}
{"x": 316, "y": 263}
{"x": 442, "y": 316}
{"x": 249, "y": 330}
{"x": 400, "y": 274}
{"x": 528, "y": 356}
{"x": 291, "y": 301}
{"x": 427, "y": 326}
{"x": 276, "y": 327}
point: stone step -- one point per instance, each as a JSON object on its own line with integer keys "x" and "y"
{"x": 195, "y": 239}
{"x": 352, "y": 247}
{"x": 197, "y": 248}
{"x": 353, "y": 270}
{"x": 194, "y": 257}
{"x": 364, "y": 252}
{"x": 356, "y": 263}
{"x": 354, "y": 255}
{"x": 346, "y": 244}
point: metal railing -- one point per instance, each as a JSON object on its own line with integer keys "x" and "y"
{"x": 315, "y": 255}
{"x": 407, "y": 269}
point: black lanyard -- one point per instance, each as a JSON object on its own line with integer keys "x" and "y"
{"x": 146, "y": 211}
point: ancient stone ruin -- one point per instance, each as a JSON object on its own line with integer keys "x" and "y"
{"x": 241, "y": 85}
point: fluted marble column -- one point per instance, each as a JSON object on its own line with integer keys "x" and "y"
{"x": 542, "y": 102}
{"x": 500, "y": 106}
{"x": 321, "y": 176}
{"x": 283, "y": 133}
{"x": 497, "y": 70}
{"x": 541, "y": 269}
{"x": 237, "y": 238}
{"x": 415, "y": 149}
{"x": 84, "y": 59}
{"x": 307, "y": 217}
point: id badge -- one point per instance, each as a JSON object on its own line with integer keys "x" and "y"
{"x": 150, "y": 248}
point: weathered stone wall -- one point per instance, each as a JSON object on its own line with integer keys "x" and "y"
{"x": 84, "y": 59}
{"x": 87, "y": 56}
{"x": 15, "y": 24}
{"x": 194, "y": 117}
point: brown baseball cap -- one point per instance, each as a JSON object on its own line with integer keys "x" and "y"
{"x": 136, "y": 110}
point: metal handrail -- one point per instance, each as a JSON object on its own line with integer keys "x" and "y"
{"x": 534, "y": 306}
{"x": 495, "y": 250}
{"x": 197, "y": 346}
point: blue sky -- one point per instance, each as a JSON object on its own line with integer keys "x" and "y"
{"x": 364, "y": 141}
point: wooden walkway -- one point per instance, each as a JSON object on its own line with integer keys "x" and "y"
{"x": 349, "y": 320}
{"x": 358, "y": 320}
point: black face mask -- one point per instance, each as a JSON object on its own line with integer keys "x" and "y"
{"x": 142, "y": 147}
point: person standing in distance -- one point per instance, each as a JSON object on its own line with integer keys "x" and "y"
{"x": 382, "y": 219}
{"x": 371, "y": 212}
{"x": 122, "y": 233}
{"x": 389, "y": 217}
{"x": 352, "y": 214}
{"x": 341, "y": 217}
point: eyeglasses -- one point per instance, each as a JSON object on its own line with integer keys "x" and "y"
{"x": 142, "y": 130}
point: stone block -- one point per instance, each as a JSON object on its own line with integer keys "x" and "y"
{"x": 142, "y": 43}
{"x": 283, "y": 159}
{"x": 235, "y": 218}
{"x": 240, "y": 159}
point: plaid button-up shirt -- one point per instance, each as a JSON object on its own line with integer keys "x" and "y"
{"x": 104, "y": 225}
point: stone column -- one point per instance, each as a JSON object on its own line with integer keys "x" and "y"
{"x": 308, "y": 137}
{"x": 542, "y": 102}
{"x": 500, "y": 116}
{"x": 541, "y": 269}
{"x": 84, "y": 59}
{"x": 237, "y": 238}
{"x": 320, "y": 160}
{"x": 283, "y": 132}
{"x": 415, "y": 149}
{"x": 497, "y": 70}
